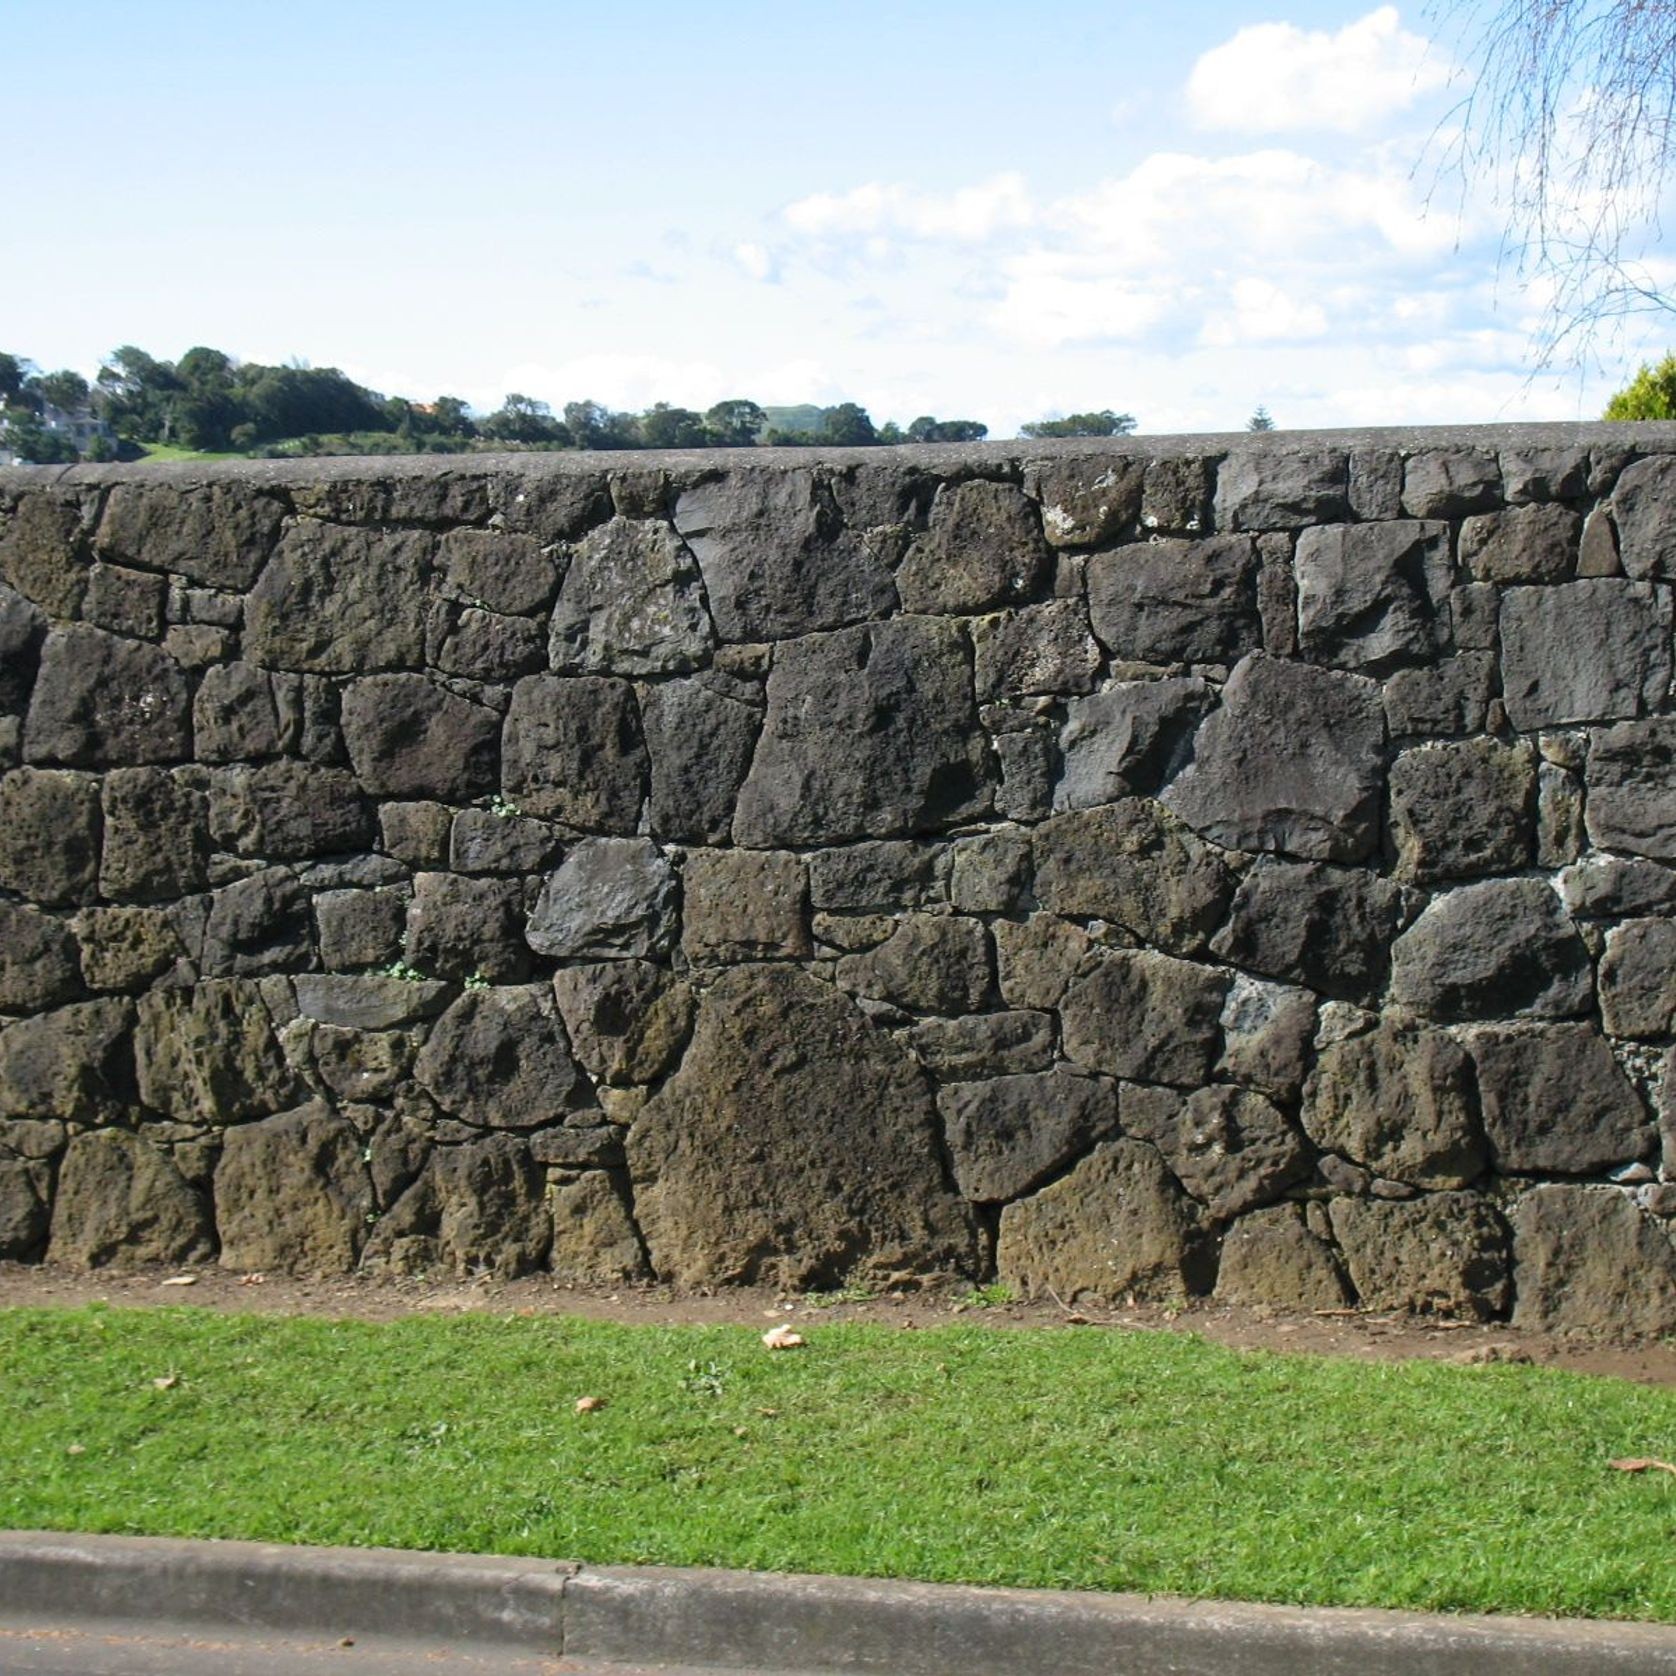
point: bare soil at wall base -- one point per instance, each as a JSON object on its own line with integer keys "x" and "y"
{"x": 1350, "y": 1333}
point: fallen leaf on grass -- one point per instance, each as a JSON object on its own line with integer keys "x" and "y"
{"x": 76, "y": 1449}
{"x": 167, "y": 1382}
{"x": 589, "y": 1405}
{"x": 180, "y": 1280}
{"x": 782, "y": 1338}
{"x": 1639, "y": 1463}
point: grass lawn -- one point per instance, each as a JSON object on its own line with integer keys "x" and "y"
{"x": 1071, "y": 1458}
{"x": 161, "y": 451}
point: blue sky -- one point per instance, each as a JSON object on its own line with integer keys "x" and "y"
{"x": 973, "y": 210}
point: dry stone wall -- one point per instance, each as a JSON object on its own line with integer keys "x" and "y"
{"x": 1232, "y": 866}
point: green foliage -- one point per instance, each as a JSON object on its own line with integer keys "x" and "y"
{"x": 927, "y": 429}
{"x": 1260, "y": 420}
{"x": 23, "y": 433}
{"x": 735, "y": 423}
{"x": 524, "y": 419}
{"x": 966, "y": 1453}
{"x": 1651, "y": 394}
{"x": 1103, "y": 423}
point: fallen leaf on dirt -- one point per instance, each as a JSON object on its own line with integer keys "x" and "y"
{"x": 180, "y": 1280}
{"x": 1638, "y": 1463}
{"x": 589, "y": 1405}
{"x": 782, "y": 1338}
{"x": 252, "y": 1279}
{"x": 167, "y": 1382}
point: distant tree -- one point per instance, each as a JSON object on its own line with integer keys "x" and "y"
{"x": 452, "y": 417}
{"x": 136, "y": 392}
{"x": 1103, "y": 423}
{"x": 524, "y": 419}
{"x": 734, "y": 424}
{"x": 890, "y": 434}
{"x": 208, "y": 407}
{"x": 1260, "y": 420}
{"x": 1651, "y": 394}
{"x": 663, "y": 426}
{"x": 848, "y": 426}
{"x": 927, "y": 429}
{"x": 32, "y": 442}
{"x": 592, "y": 425}
{"x": 285, "y": 402}
{"x": 66, "y": 390}
{"x": 14, "y": 373}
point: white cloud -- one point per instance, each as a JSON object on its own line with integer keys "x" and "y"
{"x": 1259, "y": 311}
{"x": 1274, "y": 78}
{"x": 758, "y": 261}
{"x": 973, "y": 214}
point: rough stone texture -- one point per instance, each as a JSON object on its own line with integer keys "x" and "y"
{"x": 1085, "y": 505}
{"x": 1493, "y": 949}
{"x": 795, "y": 1146}
{"x": 572, "y": 750}
{"x": 1035, "y": 650}
{"x": 1145, "y": 1017}
{"x": 121, "y": 1202}
{"x": 1643, "y": 508}
{"x": 497, "y": 841}
{"x": 1400, "y": 1102}
{"x": 510, "y": 574}
{"x": 1638, "y": 979}
{"x": 464, "y": 928}
{"x": 1555, "y": 1100}
{"x": 49, "y": 835}
{"x": 1463, "y": 809}
{"x": 43, "y": 553}
{"x": 627, "y": 1019}
{"x": 288, "y": 811}
{"x": 870, "y": 733}
{"x": 983, "y": 548}
{"x": 931, "y": 963}
{"x": 242, "y": 713}
{"x": 1292, "y": 762}
{"x": 1632, "y": 788}
{"x": 1450, "y": 483}
{"x": 594, "y": 1237}
{"x": 39, "y": 964}
{"x": 1444, "y": 1254}
{"x": 1268, "y": 1034}
{"x": 156, "y": 840}
{"x": 1116, "y": 1227}
{"x": 73, "y": 1064}
{"x": 208, "y": 1054}
{"x": 370, "y": 1002}
{"x": 100, "y": 700}
{"x": 744, "y": 905}
{"x": 357, "y": 928}
{"x": 700, "y": 735}
{"x": 1231, "y": 1148}
{"x": 1524, "y": 544}
{"x": 257, "y": 925}
{"x": 1270, "y": 490}
{"x": 409, "y": 737}
{"x": 498, "y": 1059}
{"x": 1591, "y": 651}
{"x": 1369, "y": 595}
{"x": 218, "y": 534}
{"x": 1177, "y": 601}
{"x": 612, "y": 897}
{"x": 1130, "y": 738}
{"x": 1576, "y": 1249}
{"x": 1009, "y": 1134}
{"x": 1271, "y": 1258}
{"x": 984, "y": 1044}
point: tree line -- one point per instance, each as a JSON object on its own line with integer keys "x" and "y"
{"x": 209, "y": 402}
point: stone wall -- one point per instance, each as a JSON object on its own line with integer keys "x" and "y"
{"x": 1233, "y": 866}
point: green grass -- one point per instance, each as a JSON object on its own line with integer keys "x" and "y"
{"x": 1128, "y": 1460}
{"x": 162, "y": 451}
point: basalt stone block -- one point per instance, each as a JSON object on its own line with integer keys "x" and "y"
{"x": 120, "y": 1202}
{"x": 243, "y": 714}
{"x": 1029, "y": 764}
{"x": 572, "y": 751}
{"x": 1231, "y": 1148}
{"x": 744, "y": 905}
{"x": 1176, "y": 495}
{"x": 123, "y": 948}
{"x": 357, "y": 928}
{"x": 1270, "y": 1259}
{"x": 1399, "y": 1101}
{"x": 1544, "y": 474}
{"x": 38, "y": 960}
{"x": 595, "y": 1242}
{"x": 931, "y": 963}
{"x": 257, "y": 925}
{"x": 22, "y": 629}
{"x": 1451, "y": 483}
{"x": 1556, "y": 1101}
{"x": 129, "y": 602}
{"x": 474, "y": 1208}
{"x": 1597, "y": 553}
{"x": 49, "y": 835}
{"x": 983, "y": 548}
{"x": 1007, "y": 1135}
{"x": 486, "y": 646}
{"x": 467, "y": 928}
{"x": 292, "y": 1195}
{"x": 796, "y": 1146}
{"x": 1116, "y": 1226}
{"x": 1616, "y": 887}
{"x": 25, "y": 1208}
{"x": 990, "y": 873}
{"x": 1589, "y": 1261}
{"x": 627, "y": 1019}
{"x": 216, "y": 534}
{"x": 700, "y": 734}
{"x": 370, "y": 1001}
{"x": 156, "y": 843}
{"x": 1086, "y": 503}
{"x": 1524, "y": 544}
{"x": 776, "y": 558}
{"x": 1145, "y": 1017}
{"x": 1370, "y": 595}
{"x": 1128, "y": 739}
{"x": 499, "y": 1059}
{"x": 1327, "y": 927}
{"x": 612, "y": 898}
{"x": 495, "y": 841}
{"x": 1644, "y": 508}
{"x": 339, "y": 600}
{"x": 1293, "y": 762}
{"x": 43, "y": 553}
{"x": 984, "y": 1045}
{"x": 1591, "y": 651}
{"x": 288, "y": 811}
{"x": 874, "y": 877}
{"x": 416, "y": 834}
{"x": 870, "y": 733}
{"x": 1444, "y": 1254}
{"x": 73, "y": 1064}
{"x": 409, "y": 737}
{"x": 1136, "y": 864}
{"x": 1034, "y": 650}
{"x": 1281, "y": 489}
{"x": 1638, "y": 979}
{"x": 100, "y": 701}
{"x": 1464, "y": 809}
{"x": 497, "y": 571}
{"x": 359, "y": 1065}
{"x": 208, "y": 1054}
{"x": 1037, "y": 959}
{"x": 631, "y": 603}
{"x": 1491, "y": 950}
{"x": 1268, "y": 1033}
{"x": 1450, "y": 696}
{"x": 1632, "y": 788}
{"x": 1175, "y": 601}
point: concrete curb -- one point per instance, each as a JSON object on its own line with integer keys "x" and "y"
{"x": 816, "y": 1626}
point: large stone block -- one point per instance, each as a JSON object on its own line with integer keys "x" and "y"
{"x": 1116, "y": 1227}
{"x": 931, "y": 963}
{"x": 257, "y": 925}
{"x": 486, "y": 646}
{"x": 462, "y": 928}
{"x": 499, "y": 1059}
{"x": 1590, "y": 651}
{"x": 243, "y": 714}
{"x": 369, "y": 1001}
{"x": 981, "y": 1045}
{"x": 595, "y": 1241}
{"x": 612, "y": 898}
{"x": 1128, "y": 739}
{"x": 1136, "y": 864}
{"x": 870, "y": 733}
{"x": 1370, "y": 595}
{"x": 1145, "y": 1017}
{"x": 1462, "y": 809}
{"x": 1174, "y": 601}
{"x": 1271, "y": 1260}
{"x": 1443, "y": 1254}
{"x": 1526, "y": 544}
{"x": 1268, "y": 1035}
{"x": 1556, "y": 1102}
{"x": 775, "y": 557}
{"x": 744, "y": 905}
{"x": 208, "y": 1054}
{"x": 631, "y": 603}
{"x": 340, "y": 600}
{"x": 122, "y": 948}
{"x": 1588, "y": 1261}
{"x": 1451, "y": 483}
{"x": 1638, "y": 979}
{"x": 38, "y": 960}
{"x": 1037, "y": 649}
{"x": 43, "y": 552}
{"x": 1281, "y": 488}
{"x": 22, "y": 629}
{"x": 216, "y": 534}
{"x": 1632, "y": 788}
{"x": 700, "y": 734}
{"x": 627, "y": 1019}
{"x": 573, "y": 751}
{"x": 1644, "y": 509}
{"x": 156, "y": 843}
{"x": 1086, "y": 503}
{"x": 508, "y": 573}
{"x": 1399, "y": 1101}
{"x": 983, "y": 548}
{"x": 120, "y": 1202}
{"x": 25, "y": 1206}
{"x": 49, "y": 835}
{"x": 74, "y": 1064}
{"x": 1490, "y": 950}
{"x": 288, "y": 811}
{"x": 409, "y": 737}
{"x": 100, "y": 700}
{"x": 795, "y": 1146}
{"x": 1008, "y": 1134}
{"x": 1293, "y": 762}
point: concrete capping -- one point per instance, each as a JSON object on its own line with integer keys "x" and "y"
{"x": 817, "y": 1626}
